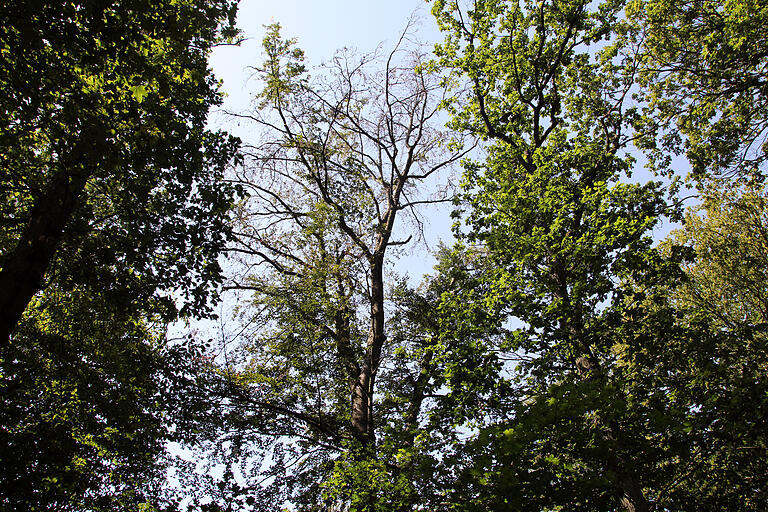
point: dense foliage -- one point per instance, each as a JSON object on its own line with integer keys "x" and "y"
{"x": 114, "y": 212}
{"x": 610, "y": 410}
{"x": 705, "y": 84}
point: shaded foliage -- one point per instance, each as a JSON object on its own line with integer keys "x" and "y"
{"x": 108, "y": 172}
{"x": 113, "y": 214}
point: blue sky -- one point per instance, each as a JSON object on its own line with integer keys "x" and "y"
{"x": 321, "y": 27}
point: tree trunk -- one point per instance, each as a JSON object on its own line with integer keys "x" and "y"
{"x": 24, "y": 268}
{"x": 360, "y": 404}
{"x": 362, "y": 386}
{"x": 632, "y": 498}
{"x": 588, "y": 366}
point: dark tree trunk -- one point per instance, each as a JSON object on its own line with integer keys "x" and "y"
{"x": 24, "y": 268}
{"x": 362, "y": 386}
{"x": 632, "y": 499}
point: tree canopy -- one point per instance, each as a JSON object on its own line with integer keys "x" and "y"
{"x": 107, "y": 165}
{"x": 569, "y": 351}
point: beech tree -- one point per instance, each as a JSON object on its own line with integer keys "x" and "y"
{"x": 347, "y": 160}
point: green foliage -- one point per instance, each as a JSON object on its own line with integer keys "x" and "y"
{"x": 728, "y": 235}
{"x": 625, "y": 353}
{"x": 704, "y": 78}
{"x": 362, "y": 482}
{"x": 573, "y": 262}
{"x": 82, "y": 411}
{"x": 723, "y": 375}
{"x": 558, "y": 359}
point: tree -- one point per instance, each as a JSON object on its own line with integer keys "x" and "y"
{"x": 92, "y": 392}
{"x": 632, "y": 364}
{"x": 727, "y": 279}
{"x": 346, "y": 158}
{"x": 723, "y": 378}
{"x": 114, "y": 212}
{"x": 569, "y": 241}
{"x": 703, "y": 76}
{"x": 108, "y": 172}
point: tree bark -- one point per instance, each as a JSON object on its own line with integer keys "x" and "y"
{"x": 362, "y": 387}
{"x": 24, "y": 268}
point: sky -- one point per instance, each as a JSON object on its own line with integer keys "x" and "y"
{"x": 321, "y": 27}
